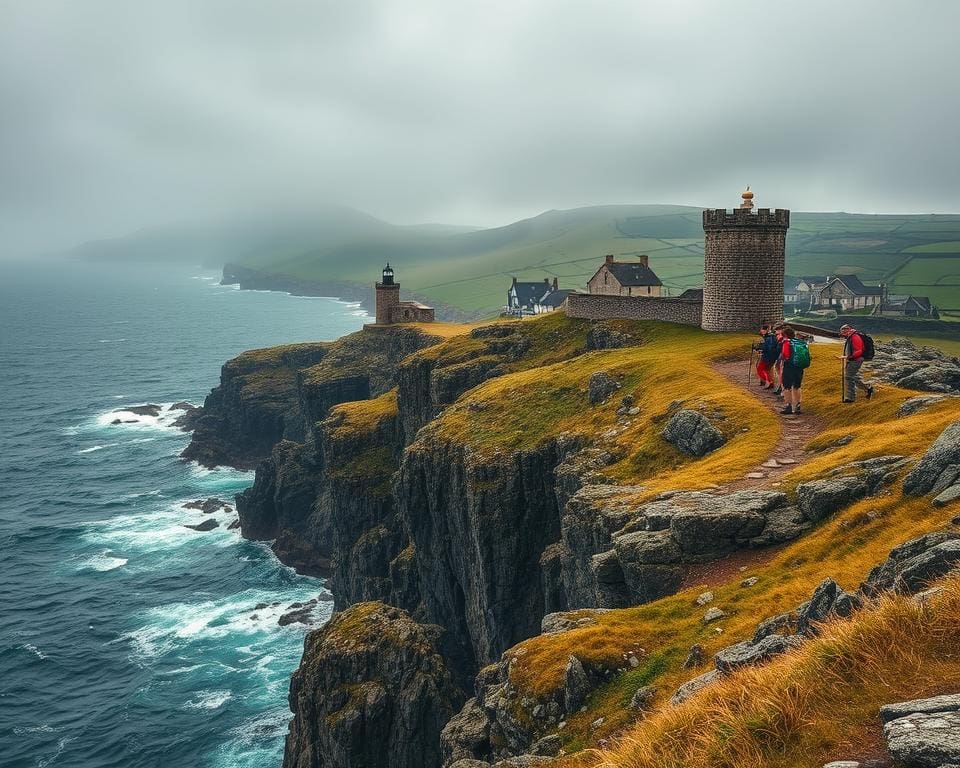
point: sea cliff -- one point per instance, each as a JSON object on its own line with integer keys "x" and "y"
{"x": 512, "y": 518}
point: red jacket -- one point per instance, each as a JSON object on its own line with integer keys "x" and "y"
{"x": 854, "y": 347}
{"x": 785, "y": 350}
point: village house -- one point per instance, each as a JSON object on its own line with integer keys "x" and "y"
{"x": 802, "y": 290}
{"x": 906, "y": 306}
{"x": 534, "y": 298}
{"x": 846, "y": 292}
{"x": 625, "y": 278}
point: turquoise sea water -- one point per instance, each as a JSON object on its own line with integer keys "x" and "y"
{"x": 127, "y": 639}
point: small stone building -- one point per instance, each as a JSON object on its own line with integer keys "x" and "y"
{"x": 391, "y": 310}
{"x": 625, "y": 278}
{"x": 847, "y": 292}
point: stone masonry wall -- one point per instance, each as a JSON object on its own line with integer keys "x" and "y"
{"x": 743, "y": 268}
{"x": 604, "y": 307}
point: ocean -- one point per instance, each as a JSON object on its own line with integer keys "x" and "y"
{"x": 127, "y": 639}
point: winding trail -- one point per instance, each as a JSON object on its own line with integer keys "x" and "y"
{"x": 796, "y": 431}
{"x": 787, "y": 455}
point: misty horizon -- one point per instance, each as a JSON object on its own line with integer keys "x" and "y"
{"x": 121, "y": 118}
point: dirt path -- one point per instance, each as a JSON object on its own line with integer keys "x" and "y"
{"x": 796, "y": 432}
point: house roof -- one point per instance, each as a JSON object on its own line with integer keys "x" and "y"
{"x": 852, "y": 282}
{"x": 898, "y": 302}
{"x": 633, "y": 273}
{"x": 529, "y": 294}
{"x": 692, "y": 293}
{"x": 555, "y": 298}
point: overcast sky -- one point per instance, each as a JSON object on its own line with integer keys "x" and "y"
{"x": 120, "y": 114}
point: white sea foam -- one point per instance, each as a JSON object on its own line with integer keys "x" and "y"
{"x": 61, "y": 745}
{"x": 164, "y": 419}
{"x": 103, "y": 562}
{"x": 34, "y": 650}
{"x": 208, "y": 700}
{"x": 94, "y": 448}
{"x": 110, "y": 341}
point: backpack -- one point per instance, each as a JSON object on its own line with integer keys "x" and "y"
{"x": 799, "y": 354}
{"x": 769, "y": 348}
{"x": 868, "y": 349}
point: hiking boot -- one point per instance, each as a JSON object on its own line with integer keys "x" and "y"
{"x": 796, "y": 409}
{"x": 778, "y": 391}
{"x": 847, "y": 401}
{"x": 869, "y": 391}
{"x": 788, "y": 409}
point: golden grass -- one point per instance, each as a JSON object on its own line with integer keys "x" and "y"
{"x": 815, "y": 704}
{"x": 360, "y": 417}
{"x": 675, "y": 363}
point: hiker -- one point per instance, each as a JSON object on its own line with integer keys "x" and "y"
{"x": 769, "y": 352}
{"x": 778, "y": 364}
{"x": 796, "y": 357}
{"x": 856, "y": 349}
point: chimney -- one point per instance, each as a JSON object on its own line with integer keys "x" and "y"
{"x": 645, "y": 260}
{"x": 546, "y": 281}
{"x": 608, "y": 259}
{"x": 554, "y": 283}
{"x": 514, "y": 281}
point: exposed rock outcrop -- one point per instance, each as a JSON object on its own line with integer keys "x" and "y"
{"x": 907, "y": 365}
{"x": 692, "y": 433}
{"x": 372, "y": 690}
{"x": 940, "y": 466}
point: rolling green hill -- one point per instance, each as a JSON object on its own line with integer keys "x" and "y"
{"x": 914, "y": 254}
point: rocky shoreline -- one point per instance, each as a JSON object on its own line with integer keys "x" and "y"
{"x": 441, "y": 557}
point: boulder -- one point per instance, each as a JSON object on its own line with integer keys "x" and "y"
{"x": 948, "y": 703}
{"x": 713, "y": 614}
{"x": 643, "y": 697}
{"x": 144, "y": 410}
{"x": 466, "y": 735}
{"x": 687, "y": 690}
{"x": 548, "y": 746}
{"x": 918, "y": 571}
{"x": 603, "y": 335}
{"x": 948, "y": 496}
{"x": 918, "y": 403}
{"x": 576, "y": 685}
{"x": 924, "y": 740}
{"x": 818, "y": 607}
{"x": 749, "y": 654}
{"x": 692, "y": 433}
{"x": 703, "y": 534}
{"x": 783, "y": 524}
{"x": 781, "y": 624}
{"x": 936, "y": 377}
{"x": 601, "y": 386}
{"x": 819, "y": 499}
{"x": 694, "y": 657}
{"x": 944, "y": 452}
{"x": 207, "y": 525}
{"x": 909, "y": 555}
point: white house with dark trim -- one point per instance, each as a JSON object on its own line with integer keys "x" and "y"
{"x": 847, "y": 292}
{"x": 625, "y": 278}
{"x": 534, "y": 298}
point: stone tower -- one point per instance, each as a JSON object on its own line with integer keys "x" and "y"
{"x": 388, "y": 296}
{"x": 743, "y": 266}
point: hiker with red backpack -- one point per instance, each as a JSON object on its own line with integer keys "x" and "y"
{"x": 795, "y": 355}
{"x": 857, "y": 349}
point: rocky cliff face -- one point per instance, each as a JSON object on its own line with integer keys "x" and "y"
{"x": 372, "y": 692}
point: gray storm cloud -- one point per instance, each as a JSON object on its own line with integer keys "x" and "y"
{"x": 118, "y": 115}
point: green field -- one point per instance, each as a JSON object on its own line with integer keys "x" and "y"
{"x": 472, "y": 270}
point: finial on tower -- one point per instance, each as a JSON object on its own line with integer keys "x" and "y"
{"x": 747, "y": 196}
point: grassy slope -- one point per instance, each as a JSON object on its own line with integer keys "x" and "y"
{"x": 521, "y": 409}
{"x": 472, "y": 270}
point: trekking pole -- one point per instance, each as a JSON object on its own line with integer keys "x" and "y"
{"x": 750, "y": 369}
{"x": 843, "y": 379}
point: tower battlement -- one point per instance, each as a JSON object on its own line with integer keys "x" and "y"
{"x": 743, "y": 217}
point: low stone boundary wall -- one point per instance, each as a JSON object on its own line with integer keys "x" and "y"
{"x": 589, "y": 306}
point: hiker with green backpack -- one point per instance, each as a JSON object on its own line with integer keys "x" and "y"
{"x": 857, "y": 349}
{"x": 795, "y": 355}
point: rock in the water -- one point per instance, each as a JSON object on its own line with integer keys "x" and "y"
{"x": 944, "y": 452}
{"x": 748, "y": 654}
{"x": 601, "y": 386}
{"x": 576, "y": 686}
{"x": 948, "y": 703}
{"x": 924, "y": 740}
{"x": 144, "y": 410}
{"x": 207, "y": 525}
{"x": 692, "y": 433}
{"x": 372, "y": 689}
{"x": 207, "y": 506}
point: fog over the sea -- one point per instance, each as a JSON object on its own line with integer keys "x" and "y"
{"x": 120, "y": 114}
